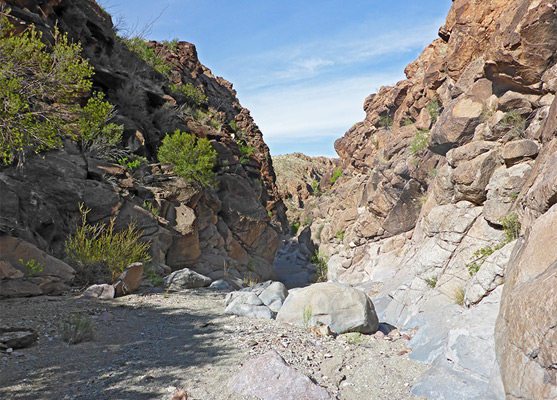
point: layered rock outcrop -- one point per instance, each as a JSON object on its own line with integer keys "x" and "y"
{"x": 230, "y": 230}
{"x": 448, "y": 168}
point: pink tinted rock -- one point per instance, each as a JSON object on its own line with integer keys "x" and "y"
{"x": 268, "y": 377}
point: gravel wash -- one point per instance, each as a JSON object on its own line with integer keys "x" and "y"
{"x": 149, "y": 346}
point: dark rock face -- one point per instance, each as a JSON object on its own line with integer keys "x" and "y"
{"x": 230, "y": 229}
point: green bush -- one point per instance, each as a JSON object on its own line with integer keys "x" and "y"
{"x": 432, "y": 282}
{"x": 340, "y": 235}
{"x": 479, "y": 258}
{"x": 98, "y": 249}
{"x": 433, "y": 108}
{"x": 386, "y": 122}
{"x": 141, "y": 48}
{"x": 38, "y": 86}
{"x": 97, "y": 135}
{"x": 246, "y": 152}
{"x": 419, "y": 143}
{"x": 193, "y": 94}
{"x": 32, "y": 267}
{"x": 132, "y": 161}
{"x": 193, "y": 159}
{"x": 320, "y": 261}
{"x": 294, "y": 228}
{"x": 336, "y": 174}
{"x": 511, "y": 227}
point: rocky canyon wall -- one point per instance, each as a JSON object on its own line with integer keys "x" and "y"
{"x": 229, "y": 230}
{"x": 448, "y": 190}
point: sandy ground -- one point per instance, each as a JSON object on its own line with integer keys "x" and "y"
{"x": 148, "y": 346}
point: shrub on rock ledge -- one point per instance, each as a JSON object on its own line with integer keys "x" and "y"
{"x": 193, "y": 158}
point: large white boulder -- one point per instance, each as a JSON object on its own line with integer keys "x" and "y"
{"x": 341, "y": 307}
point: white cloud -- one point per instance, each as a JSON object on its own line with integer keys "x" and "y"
{"x": 313, "y": 110}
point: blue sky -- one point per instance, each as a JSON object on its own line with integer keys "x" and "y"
{"x": 303, "y": 68}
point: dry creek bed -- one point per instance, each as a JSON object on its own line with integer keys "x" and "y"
{"x": 149, "y": 346}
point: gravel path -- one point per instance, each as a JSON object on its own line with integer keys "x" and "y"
{"x": 148, "y": 346}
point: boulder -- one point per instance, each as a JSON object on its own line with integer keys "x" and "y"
{"x": 456, "y": 125}
{"x": 471, "y": 177}
{"x": 185, "y": 279}
{"x": 269, "y": 377}
{"x": 17, "y": 338}
{"x": 342, "y": 308}
{"x": 503, "y": 189}
{"x": 246, "y": 304}
{"x": 26, "y": 270}
{"x": 221, "y": 284}
{"x": 517, "y": 150}
{"x": 525, "y": 333}
{"x": 103, "y": 292}
{"x": 129, "y": 280}
{"x": 490, "y": 275}
{"x": 274, "y": 295}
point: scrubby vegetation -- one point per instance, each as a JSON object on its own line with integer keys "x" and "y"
{"x": 386, "y": 122}
{"x": 141, "y": 48}
{"x": 193, "y": 158}
{"x": 192, "y": 93}
{"x": 38, "y": 89}
{"x": 336, "y": 174}
{"x": 246, "y": 152}
{"x": 78, "y": 328}
{"x": 419, "y": 143}
{"x": 98, "y": 250}
{"x": 320, "y": 261}
{"x": 434, "y": 108}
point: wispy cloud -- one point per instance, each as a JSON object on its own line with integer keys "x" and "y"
{"x": 308, "y": 60}
{"x": 304, "y": 111}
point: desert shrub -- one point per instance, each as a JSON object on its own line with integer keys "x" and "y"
{"x": 419, "y": 143}
{"x": 154, "y": 210}
{"x": 143, "y": 50}
{"x": 193, "y": 159}
{"x": 515, "y": 123}
{"x": 97, "y": 136}
{"x": 172, "y": 44}
{"x": 78, "y": 328}
{"x": 511, "y": 227}
{"x": 479, "y": 258}
{"x": 432, "y": 282}
{"x": 320, "y": 261}
{"x": 132, "y": 161}
{"x": 294, "y": 228}
{"x": 234, "y": 125}
{"x": 97, "y": 249}
{"x": 38, "y": 88}
{"x": 458, "y": 295}
{"x": 386, "y": 122}
{"x": 433, "y": 108}
{"x": 246, "y": 152}
{"x": 307, "y": 315}
{"x": 336, "y": 174}
{"x": 407, "y": 122}
{"x": 315, "y": 188}
{"x": 340, "y": 235}
{"x": 32, "y": 267}
{"x": 193, "y": 94}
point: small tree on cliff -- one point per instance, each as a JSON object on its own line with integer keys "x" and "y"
{"x": 193, "y": 158}
{"x": 39, "y": 86}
